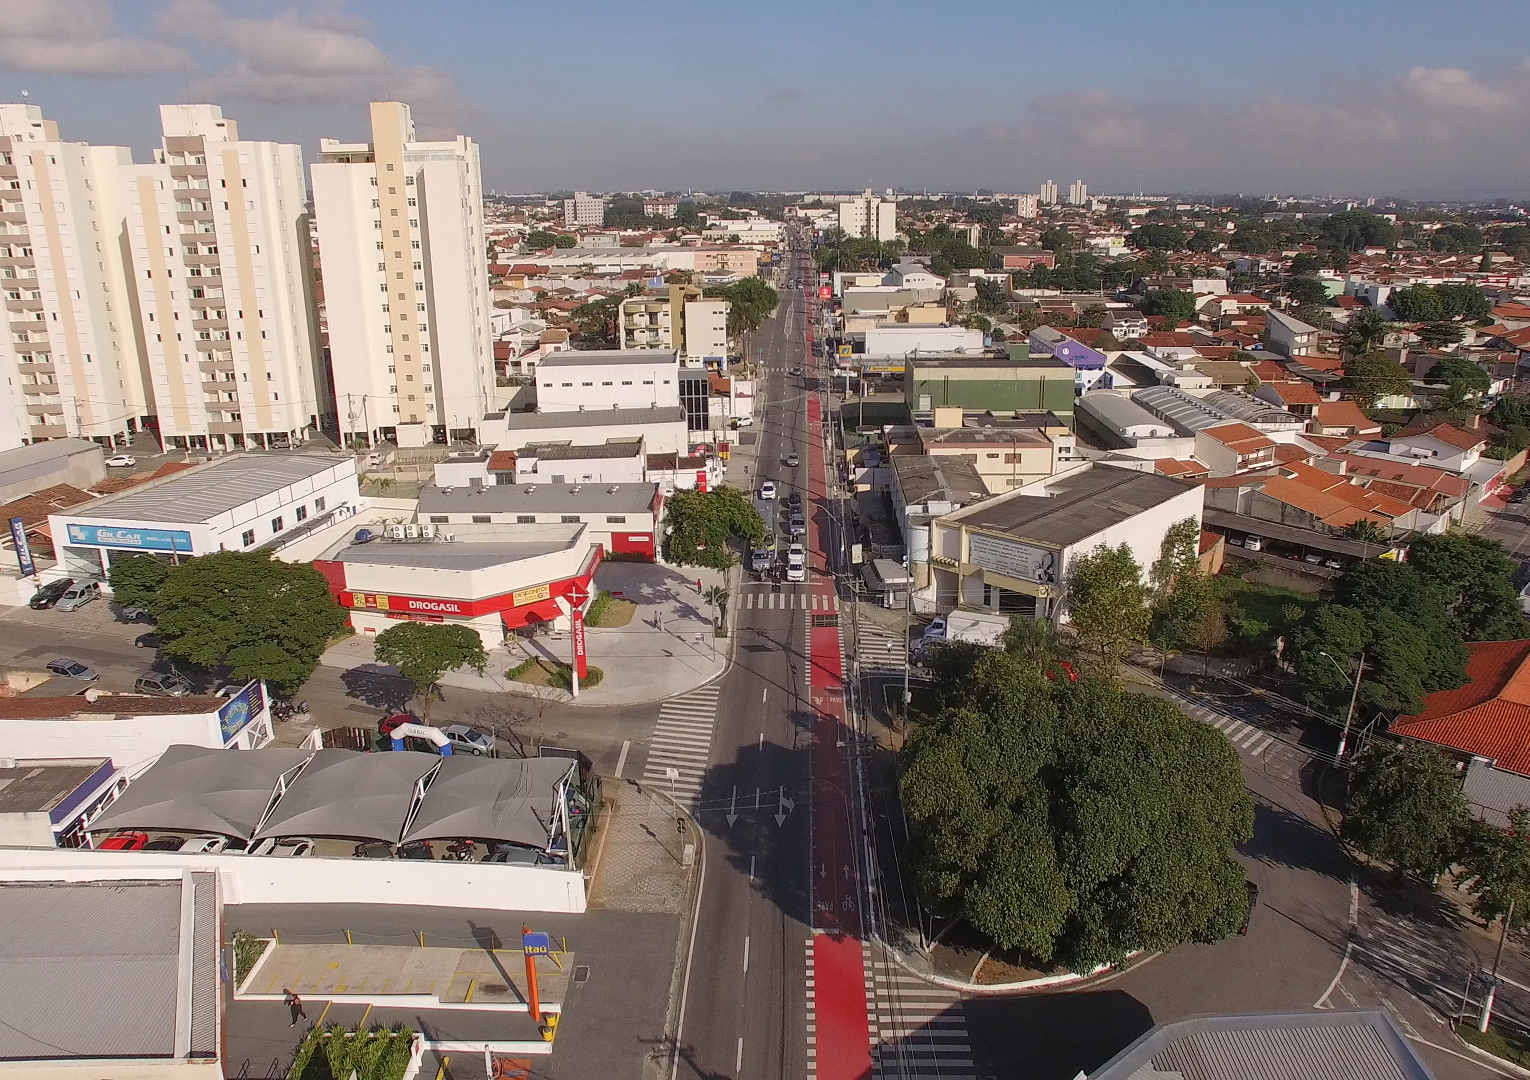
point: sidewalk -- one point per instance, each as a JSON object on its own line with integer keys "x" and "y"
{"x": 666, "y": 650}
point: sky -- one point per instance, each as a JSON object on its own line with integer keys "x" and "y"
{"x": 1414, "y": 99}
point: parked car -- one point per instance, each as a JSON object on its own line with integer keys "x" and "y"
{"x": 768, "y": 489}
{"x": 374, "y": 849}
{"x": 212, "y": 844}
{"x": 287, "y": 846}
{"x": 78, "y": 595}
{"x": 1332, "y": 563}
{"x": 49, "y": 594}
{"x": 1254, "y": 543}
{"x": 169, "y": 683}
{"x": 936, "y": 631}
{"x": 165, "y": 843}
{"x": 121, "y": 461}
{"x": 66, "y": 668}
{"x": 470, "y": 739}
{"x": 415, "y": 849}
{"x": 741, "y": 422}
{"x": 146, "y": 641}
{"x": 136, "y": 614}
{"x": 124, "y": 841}
{"x": 1313, "y": 557}
{"x": 363, "y": 536}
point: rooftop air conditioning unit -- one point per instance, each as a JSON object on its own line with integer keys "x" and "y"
{"x": 428, "y": 531}
{"x": 7, "y": 763}
{"x": 394, "y": 532}
{"x": 574, "y": 490}
{"x": 446, "y": 491}
{"x": 449, "y": 538}
{"x": 611, "y": 490}
{"x": 411, "y": 531}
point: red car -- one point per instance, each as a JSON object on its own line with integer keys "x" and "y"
{"x": 386, "y": 725}
{"x": 125, "y": 841}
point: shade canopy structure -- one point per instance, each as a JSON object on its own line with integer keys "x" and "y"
{"x": 512, "y": 800}
{"x": 203, "y": 790}
{"x": 350, "y": 795}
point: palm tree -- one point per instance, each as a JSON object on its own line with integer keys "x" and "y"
{"x": 1365, "y": 330}
{"x": 717, "y": 596}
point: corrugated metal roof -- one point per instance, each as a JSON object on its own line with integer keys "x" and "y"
{"x": 1493, "y": 792}
{"x": 204, "y": 965}
{"x": 1185, "y": 413}
{"x": 201, "y": 494}
{"x": 89, "y": 970}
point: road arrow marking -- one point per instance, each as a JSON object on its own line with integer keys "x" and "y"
{"x": 731, "y": 815}
{"x": 784, "y": 807}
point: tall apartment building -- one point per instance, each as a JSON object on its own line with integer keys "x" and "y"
{"x": 584, "y": 209}
{"x": 866, "y": 216}
{"x": 406, "y": 285}
{"x": 1026, "y": 205}
{"x": 1048, "y": 194}
{"x": 69, "y": 356}
{"x": 682, "y": 321}
{"x": 218, "y": 233}
{"x": 1078, "y": 193}
{"x": 664, "y": 208}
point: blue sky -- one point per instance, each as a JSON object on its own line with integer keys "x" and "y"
{"x": 1417, "y": 99}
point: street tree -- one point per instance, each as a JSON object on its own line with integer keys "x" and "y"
{"x": 1305, "y": 264}
{"x": 1406, "y": 809}
{"x": 1365, "y": 330}
{"x": 1108, "y": 604}
{"x": 702, "y": 523}
{"x": 1475, "y": 576}
{"x": 1458, "y": 371}
{"x": 1497, "y": 864}
{"x": 1437, "y": 335}
{"x": 540, "y": 240}
{"x": 1417, "y": 303}
{"x": 1181, "y": 596}
{"x": 135, "y": 579}
{"x": 423, "y": 652}
{"x": 1172, "y": 305}
{"x": 1307, "y": 290}
{"x": 1366, "y": 531}
{"x": 717, "y": 597}
{"x": 264, "y": 618}
{"x": 1075, "y": 822}
{"x": 1371, "y": 376}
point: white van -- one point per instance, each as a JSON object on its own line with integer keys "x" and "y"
{"x": 796, "y": 563}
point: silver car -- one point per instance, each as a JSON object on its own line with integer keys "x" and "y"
{"x": 78, "y": 595}
{"x": 66, "y": 668}
{"x": 162, "y": 682}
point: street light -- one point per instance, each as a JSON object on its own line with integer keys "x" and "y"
{"x": 1353, "y": 697}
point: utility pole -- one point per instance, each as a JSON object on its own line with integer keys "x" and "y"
{"x": 1349, "y": 717}
{"x": 1487, "y": 1006}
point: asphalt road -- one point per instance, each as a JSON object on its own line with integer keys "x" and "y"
{"x": 745, "y": 992}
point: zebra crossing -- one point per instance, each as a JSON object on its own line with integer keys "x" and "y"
{"x": 918, "y": 1030}
{"x": 1277, "y": 757}
{"x": 682, "y": 740}
{"x": 879, "y": 649}
{"x": 790, "y": 601}
{"x": 812, "y": 1017}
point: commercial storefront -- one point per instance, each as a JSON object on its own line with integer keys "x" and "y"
{"x": 494, "y": 579}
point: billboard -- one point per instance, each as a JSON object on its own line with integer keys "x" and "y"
{"x": 1013, "y": 559}
{"x": 825, "y": 292}
{"x": 844, "y": 351}
{"x": 581, "y": 659}
{"x": 132, "y": 539}
{"x": 23, "y": 549}
{"x": 238, "y": 711}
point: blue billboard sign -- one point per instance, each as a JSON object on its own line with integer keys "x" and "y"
{"x": 135, "y": 539}
{"x": 23, "y": 548}
{"x": 536, "y": 943}
{"x": 237, "y": 712}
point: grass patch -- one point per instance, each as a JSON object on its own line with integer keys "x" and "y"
{"x": 1507, "y": 1043}
{"x": 540, "y": 672}
{"x": 333, "y": 1052}
{"x": 247, "y": 951}
{"x": 1257, "y": 613}
{"x": 607, "y": 611}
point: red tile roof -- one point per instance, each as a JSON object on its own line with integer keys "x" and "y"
{"x": 36, "y": 507}
{"x": 1451, "y": 435}
{"x": 1238, "y": 437}
{"x": 1345, "y": 414}
{"x": 1490, "y": 715}
{"x": 1512, "y": 311}
{"x": 1170, "y": 337}
{"x": 1296, "y": 392}
{"x": 1326, "y": 506}
{"x": 1179, "y": 467}
{"x": 502, "y": 461}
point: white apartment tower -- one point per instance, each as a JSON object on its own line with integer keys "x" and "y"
{"x": 1048, "y": 193}
{"x": 584, "y": 209}
{"x": 1078, "y": 193}
{"x": 406, "y": 289}
{"x": 218, "y": 229}
{"x": 866, "y": 216}
{"x": 69, "y": 356}
{"x": 1025, "y": 205}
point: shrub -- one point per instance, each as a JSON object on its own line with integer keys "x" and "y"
{"x": 333, "y": 1052}
{"x": 562, "y": 677}
{"x": 247, "y": 951}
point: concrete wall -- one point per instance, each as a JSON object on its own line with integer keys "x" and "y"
{"x": 132, "y": 742}
{"x": 270, "y": 879}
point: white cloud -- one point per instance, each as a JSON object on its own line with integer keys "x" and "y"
{"x": 1454, "y": 88}
{"x": 296, "y": 58}
{"x": 76, "y": 37}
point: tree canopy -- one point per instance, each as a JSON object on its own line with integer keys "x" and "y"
{"x": 264, "y": 618}
{"x": 1459, "y": 371}
{"x": 1157, "y": 238}
{"x": 135, "y": 579}
{"x": 1352, "y": 230}
{"x": 1305, "y": 263}
{"x": 1374, "y": 375}
{"x": 1074, "y": 821}
{"x": 701, "y": 524}
{"x": 1307, "y": 290}
{"x": 1436, "y": 335}
{"x": 1498, "y": 867}
{"x": 1183, "y": 602}
{"x": 1365, "y": 330}
{"x": 1433, "y": 303}
{"x": 1108, "y": 603}
{"x": 751, "y": 300}
{"x": 1406, "y": 808}
{"x": 1175, "y": 305}
{"x": 596, "y": 322}
{"x": 423, "y": 652}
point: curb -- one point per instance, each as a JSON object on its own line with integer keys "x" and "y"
{"x": 1047, "y": 982}
{"x": 1517, "y": 1070}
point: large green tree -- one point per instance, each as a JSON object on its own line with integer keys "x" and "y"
{"x": 1374, "y": 375}
{"x": 1173, "y": 305}
{"x": 1460, "y": 372}
{"x": 1182, "y": 596}
{"x": 1498, "y": 867}
{"x": 1157, "y": 238}
{"x": 135, "y": 579}
{"x": 1417, "y": 303}
{"x": 1436, "y": 335}
{"x": 264, "y": 618}
{"x": 1355, "y": 229}
{"x": 1108, "y": 603}
{"x": 702, "y": 523}
{"x": 1366, "y": 330}
{"x": 1406, "y": 808}
{"x": 751, "y": 300}
{"x": 1475, "y": 576}
{"x": 1074, "y": 821}
{"x": 1307, "y": 291}
{"x": 423, "y": 652}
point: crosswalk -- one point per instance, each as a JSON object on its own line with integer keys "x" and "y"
{"x": 879, "y": 649}
{"x": 1277, "y": 757}
{"x": 812, "y": 1017}
{"x": 795, "y": 600}
{"x": 682, "y": 740}
{"x": 918, "y": 1030}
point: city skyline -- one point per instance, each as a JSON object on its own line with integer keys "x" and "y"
{"x": 1416, "y": 113}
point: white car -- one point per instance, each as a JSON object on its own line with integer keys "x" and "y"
{"x": 796, "y": 563}
{"x": 286, "y": 846}
{"x": 768, "y": 489}
{"x": 121, "y": 461}
{"x": 206, "y": 845}
{"x": 470, "y": 739}
{"x": 936, "y": 631}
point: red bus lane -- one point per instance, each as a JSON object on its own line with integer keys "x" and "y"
{"x": 842, "y": 1032}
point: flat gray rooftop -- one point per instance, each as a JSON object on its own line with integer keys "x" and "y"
{"x": 937, "y": 361}
{"x": 31, "y": 787}
{"x": 89, "y": 970}
{"x": 615, "y": 448}
{"x": 539, "y": 498}
{"x": 582, "y": 357}
{"x": 440, "y": 556}
{"x": 661, "y": 414}
{"x": 202, "y": 493}
{"x": 1080, "y": 504}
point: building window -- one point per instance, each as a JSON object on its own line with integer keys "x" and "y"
{"x": 480, "y": 519}
{"x": 276, "y": 524}
{"x": 616, "y": 519}
{"x": 302, "y": 513}
{"x": 571, "y": 519}
{"x": 438, "y": 519}
{"x": 248, "y": 538}
{"x": 525, "y": 519}
{"x": 318, "y": 505}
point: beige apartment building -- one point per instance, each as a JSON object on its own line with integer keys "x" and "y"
{"x": 406, "y": 290}
{"x": 682, "y": 320}
{"x": 218, "y": 231}
{"x": 69, "y": 355}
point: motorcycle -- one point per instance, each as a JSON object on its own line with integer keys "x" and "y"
{"x": 461, "y": 850}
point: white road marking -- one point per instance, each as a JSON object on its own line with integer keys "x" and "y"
{"x": 621, "y": 762}
{"x": 746, "y": 954}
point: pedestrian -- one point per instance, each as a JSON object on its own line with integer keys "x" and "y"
{"x": 698, "y": 584}
{"x": 294, "y": 1003}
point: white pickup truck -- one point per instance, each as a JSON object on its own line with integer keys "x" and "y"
{"x": 974, "y": 627}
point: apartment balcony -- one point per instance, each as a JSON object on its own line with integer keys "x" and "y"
{"x": 24, "y": 304}
{"x": 219, "y": 386}
{"x": 225, "y": 427}
{"x": 48, "y": 431}
{"x": 34, "y": 389}
{"x": 44, "y": 367}
{"x": 210, "y": 324}
{"x": 189, "y": 217}
{"x": 54, "y": 407}
{"x": 214, "y": 363}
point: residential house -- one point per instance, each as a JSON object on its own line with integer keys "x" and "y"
{"x": 1230, "y": 449}
{"x": 1287, "y": 334}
